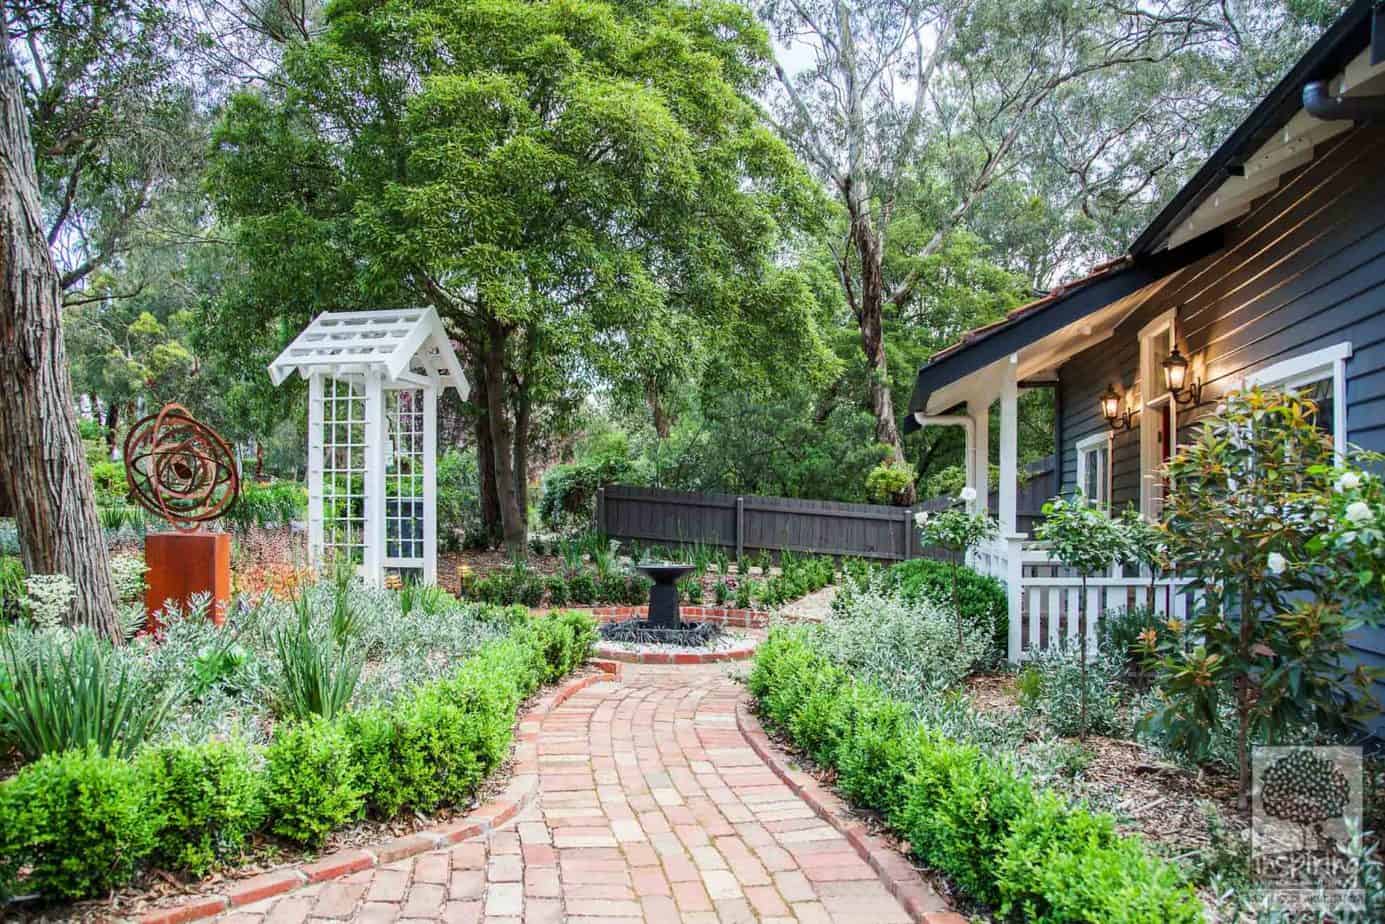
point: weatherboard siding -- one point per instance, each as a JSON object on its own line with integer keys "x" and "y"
{"x": 1303, "y": 270}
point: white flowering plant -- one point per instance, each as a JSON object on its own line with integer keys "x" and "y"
{"x": 1256, "y": 519}
{"x": 957, "y": 531}
{"x": 1352, "y": 520}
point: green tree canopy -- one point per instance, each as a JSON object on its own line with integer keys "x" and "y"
{"x": 577, "y": 187}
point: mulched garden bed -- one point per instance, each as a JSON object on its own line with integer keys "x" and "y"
{"x": 1165, "y": 803}
{"x": 159, "y": 889}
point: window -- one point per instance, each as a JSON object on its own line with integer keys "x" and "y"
{"x": 1320, "y": 375}
{"x": 1094, "y": 468}
{"x": 1158, "y": 413}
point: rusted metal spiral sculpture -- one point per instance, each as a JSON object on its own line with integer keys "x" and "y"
{"x": 179, "y": 468}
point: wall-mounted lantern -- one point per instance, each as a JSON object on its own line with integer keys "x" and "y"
{"x": 1117, "y": 418}
{"x": 1176, "y": 380}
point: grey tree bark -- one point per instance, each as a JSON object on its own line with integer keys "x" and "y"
{"x": 41, "y": 456}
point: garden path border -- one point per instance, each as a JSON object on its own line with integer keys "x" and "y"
{"x": 519, "y": 793}
{"x": 905, "y": 882}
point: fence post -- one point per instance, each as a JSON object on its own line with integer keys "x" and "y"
{"x": 601, "y": 511}
{"x": 908, "y": 533}
{"x": 740, "y": 530}
{"x": 1014, "y": 597}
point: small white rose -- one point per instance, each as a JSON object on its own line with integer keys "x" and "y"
{"x": 1277, "y": 563}
{"x": 1349, "y": 481}
{"x": 920, "y": 519}
{"x": 1359, "y": 513}
{"x": 968, "y": 494}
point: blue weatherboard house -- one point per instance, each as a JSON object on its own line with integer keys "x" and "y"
{"x": 1267, "y": 267}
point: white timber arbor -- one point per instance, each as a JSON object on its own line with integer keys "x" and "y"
{"x": 374, "y": 378}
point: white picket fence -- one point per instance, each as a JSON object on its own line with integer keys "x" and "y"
{"x": 1045, "y": 597}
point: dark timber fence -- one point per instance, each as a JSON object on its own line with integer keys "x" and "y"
{"x": 748, "y": 523}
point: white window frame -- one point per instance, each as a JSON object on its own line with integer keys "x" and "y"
{"x": 1094, "y": 444}
{"x": 1153, "y": 396}
{"x": 1311, "y": 367}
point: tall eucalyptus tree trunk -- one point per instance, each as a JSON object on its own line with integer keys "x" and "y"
{"x": 868, "y": 304}
{"x": 41, "y": 456}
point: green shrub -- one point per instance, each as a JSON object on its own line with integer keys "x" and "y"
{"x": 1059, "y": 864}
{"x": 959, "y": 808}
{"x": 73, "y": 692}
{"x": 636, "y": 590}
{"x": 11, "y": 588}
{"x": 268, "y": 504}
{"x": 904, "y": 645}
{"x": 557, "y": 591}
{"x": 581, "y": 588}
{"x": 880, "y": 753}
{"x": 690, "y": 590}
{"x": 435, "y": 747}
{"x": 311, "y": 784}
{"x": 531, "y": 588}
{"x": 565, "y": 640}
{"x": 980, "y": 597}
{"x": 964, "y": 813}
{"x": 569, "y": 490}
{"x": 459, "y": 501}
{"x": 505, "y": 616}
{"x": 612, "y": 588}
{"x": 109, "y": 480}
{"x": 207, "y": 802}
{"x": 78, "y": 822}
{"x": 416, "y": 754}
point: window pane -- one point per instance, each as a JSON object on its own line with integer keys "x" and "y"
{"x": 1320, "y": 393}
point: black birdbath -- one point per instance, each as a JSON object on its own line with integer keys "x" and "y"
{"x": 663, "y": 596}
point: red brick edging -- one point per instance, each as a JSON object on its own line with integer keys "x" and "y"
{"x": 741, "y": 619}
{"x": 518, "y": 795}
{"x": 923, "y": 904}
{"x": 742, "y": 652}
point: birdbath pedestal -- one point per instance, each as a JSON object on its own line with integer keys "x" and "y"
{"x": 663, "y": 596}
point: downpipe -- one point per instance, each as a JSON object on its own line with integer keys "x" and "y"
{"x": 1321, "y": 104}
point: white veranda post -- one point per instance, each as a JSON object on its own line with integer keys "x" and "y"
{"x": 374, "y": 378}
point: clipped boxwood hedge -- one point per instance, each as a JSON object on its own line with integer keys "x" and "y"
{"x": 76, "y": 824}
{"x": 1007, "y": 844}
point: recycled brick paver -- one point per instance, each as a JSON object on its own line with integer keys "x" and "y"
{"x": 652, "y": 807}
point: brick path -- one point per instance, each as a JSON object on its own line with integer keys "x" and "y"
{"x": 652, "y": 807}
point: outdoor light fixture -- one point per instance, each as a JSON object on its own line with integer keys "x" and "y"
{"x": 1116, "y": 419}
{"x": 1176, "y": 380}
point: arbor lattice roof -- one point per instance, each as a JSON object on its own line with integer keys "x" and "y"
{"x": 394, "y": 342}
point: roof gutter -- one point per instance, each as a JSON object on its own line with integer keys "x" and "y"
{"x": 1337, "y": 46}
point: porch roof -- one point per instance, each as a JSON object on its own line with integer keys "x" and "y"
{"x": 1076, "y": 314}
{"x": 1276, "y": 137}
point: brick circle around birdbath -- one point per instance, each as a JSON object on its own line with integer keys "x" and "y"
{"x": 726, "y": 648}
